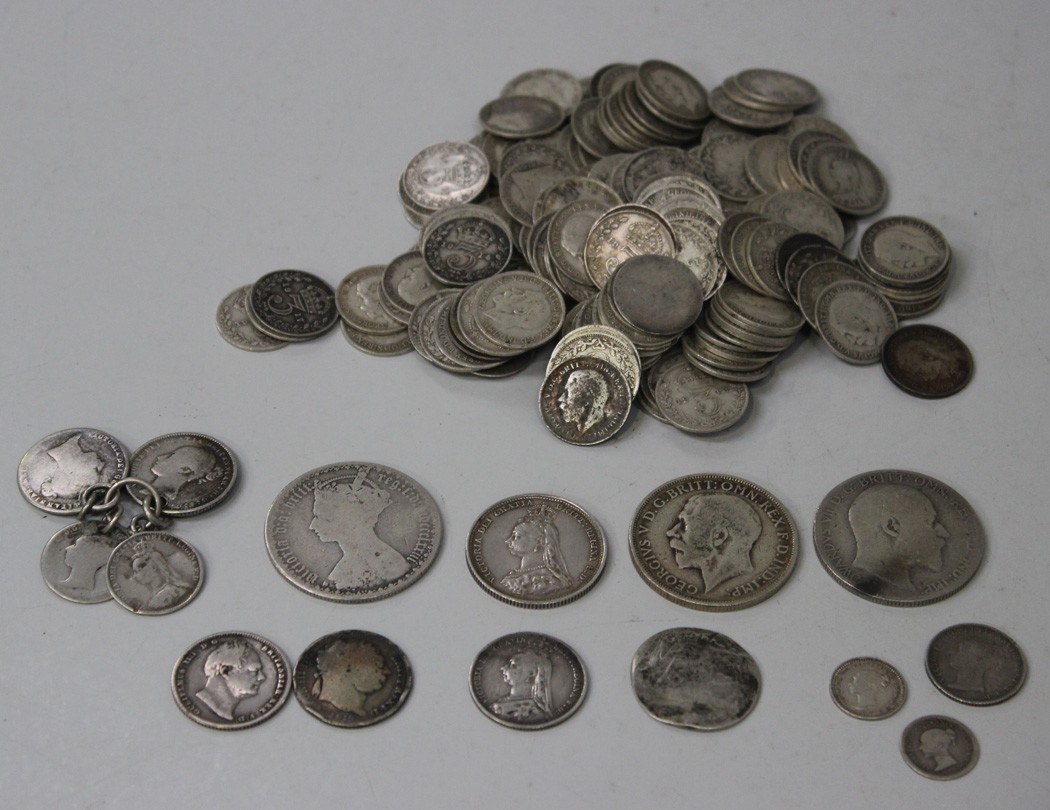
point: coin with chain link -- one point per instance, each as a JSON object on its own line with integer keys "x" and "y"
{"x": 696, "y": 679}
{"x": 352, "y": 679}
{"x": 976, "y": 664}
{"x": 353, "y": 532}
{"x": 713, "y": 542}
{"x": 868, "y": 689}
{"x": 192, "y": 472}
{"x": 528, "y": 681}
{"x": 231, "y": 681}
{"x": 153, "y": 573}
{"x": 939, "y": 747}
{"x": 55, "y": 471}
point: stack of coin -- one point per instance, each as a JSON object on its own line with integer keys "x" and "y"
{"x": 677, "y": 392}
{"x": 907, "y": 259}
{"x": 444, "y": 174}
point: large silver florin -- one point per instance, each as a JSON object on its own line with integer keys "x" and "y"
{"x": 353, "y": 532}
{"x": 898, "y": 538}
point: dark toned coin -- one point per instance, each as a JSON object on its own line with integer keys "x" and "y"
{"x": 292, "y": 305}
{"x": 976, "y": 664}
{"x": 939, "y": 747}
{"x": 927, "y": 361}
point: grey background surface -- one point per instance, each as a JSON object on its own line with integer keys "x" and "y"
{"x": 155, "y": 156}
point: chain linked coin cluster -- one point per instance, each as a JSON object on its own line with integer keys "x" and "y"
{"x": 86, "y": 473}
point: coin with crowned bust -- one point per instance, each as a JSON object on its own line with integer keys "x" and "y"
{"x": 352, "y": 678}
{"x": 585, "y": 401}
{"x": 976, "y": 664}
{"x": 868, "y": 689}
{"x": 153, "y": 573}
{"x": 230, "y": 681}
{"x": 939, "y": 747}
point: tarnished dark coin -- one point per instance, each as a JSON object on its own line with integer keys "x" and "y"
{"x": 898, "y": 538}
{"x": 713, "y": 542}
{"x": 292, "y": 305}
{"x": 927, "y": 361}
{"x": 55, "y": 471}
{"x": 352, "y": 679}
{"x": 694, "y": 678}
{"x": 536, "y": 551}
{"x": 192, "y": 472}
{"x": 868, "y": 689}
{"x": 74, "y": 561}
{"x": 585, "y": 401}
{"x": 939, "y": 747}
{"x": 230, "y": 681}
{"x": 353, "y": 532}
{"x": 976, "y": 664}
{"x": 465, "y": 243}
{"x": 528, "y": 681}
{"x": 236, "y": 327}
{"x": 153, "y": 573}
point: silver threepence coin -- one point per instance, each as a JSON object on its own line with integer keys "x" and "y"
{"x": 976, "y": 664}
{"x": 292, "y": 305}
{"x": 153, "y": 573}
{"x": 622, "y": 232}
{"x": 378, "y": 345}
{"x": 236, "y": 327}
{"x": 694, "y": 678}
{"x": 74, "y": 561}
{"x": 353, "y": 532}
{"x": 352, "y": 678}
{"x": 528, "y": 681}
{"x": 562, "y": 88}
{"x": 536, "y": 551}
{"x": 898, "y": 538}
{"x": 904, "y": 251}
{"x": 696, "y": 402}
{"x": 868, "y": 689}
{"x": 854, "y": 320}
{"x": 55, "y": 471}
{"x": 585, "y": 401}
{"x": 657, "y": 294}
{"x": 465, "y": 243}
{"x": 521, "y": 116}
{"x": 775, "y": 87}
{"x": 192, "y": 472}
{"x": 519, "y": 310}
{"x": 939, "y": 747}
{"x": 602, "y": 342}
{"x": 713, "y": 542}
{"x": 927, "y": 361}
{"x": 444, "y": 174}
{"x": 359, "y": 302}
{"x": 229, "y": 681}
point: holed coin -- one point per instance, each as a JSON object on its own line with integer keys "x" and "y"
{"x": 192, "y": 472}
{"x": 74, "y": 561}
{"x": 927, "y": 361}
{"x": 713, "y": 542}
{"x": 353, "y": 532}
{"x": 536, "y": 551}
{"x": 229, "y": 681}
{"x": 898, "y": 538}
{"x": 352, "y": 678}
{"x": 528, "y": 681}
{"x": 694, "y": 678}
{"x": 55, "y": 471}
{"x": 976, "y": 664}
{"x": 939, "y": 747}
{"x": 153, "y": 573}
{"x": 868, "y": 689}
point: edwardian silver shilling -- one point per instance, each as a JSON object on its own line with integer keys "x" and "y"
{"x": 854, "y": 321}
{"x": 192, "y": 472}
{"x": 55, "y": 472}
{"x": 898, "y": 538}
{"x": 713, "y": 542}
{"x": 868, "y": 689}
{"x": 976, "y": 664}
{"x": 352, "y": 679}
{"x": 231, "y": 681}
{"x": 696, "y": 679}
{"x": 292, "y": 305}
{"x": 528, "y": 681}
{"x": 536, "y": 551}
{"x": 152, "y": 573}
{"x": 236, "y": 326}
{"x": 939, "y": 747}
{"x": 74, "y": 561}
{"x": 353, "y": 532}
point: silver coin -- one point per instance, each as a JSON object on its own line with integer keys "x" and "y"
{"x": 231, "y": 681}
{"x": 529, "y": 169}
{"x": 602, "y": 342}
{"x": 352, "y": 679}
{"x": 358, "y": 298}
{"x": 976, "y": 664}
{"x": 855, "y": 321}
{"x": 574, "y": 189}
{"x": 528, "y": 681}
{"x": 554, "y": 85}
{"x": 868, "y": 689}
{"x": 236, "y": 327}
{"x": 846, "y": 178}
{"x": 521, "y": 116}
{"x": 777, "y": 87}
{"x": 713, "y": 542}
{"x": 898, "y": 538}
{"x": 292, "y": 305}
{"x": 55, "y": 471}
{"x": 585, "y": 401}
{"x": 536, "y": 551}
{"x": 698, "y": 250}
{"x": 465, "y": 243}
{"x": 672, "y": 94}
{"x": 696, "y": 402}
{"x": 748, "y": 117}
{"x": 153, "y": 573}
{"x": 406, "y": 283}
{"x": 378, "y": 345}
{"x": 818, "y": 276}
{"x": 694, "y": 678}
{"x": 192, "y": 472}
{"x": 723, "y": 159}
{"x": 353, "y": 532}
{"x": 445, "y": 174}
{"x": 622, "y": 232}
{"x": 657, "y": 294}
{"x": 519, "y": 310}
{"x": 74, "y": 561}
{"x": 939, "y": 747}
{"x": 904, "y": 250}
{"x": 805, "y": 211}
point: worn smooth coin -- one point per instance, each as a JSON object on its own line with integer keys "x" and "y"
{"x": 528, "y": 681}
{"x": 231, "y": 681}
{"x": 868, "y": 689}
{"x": 939, "y": 747}
{"x": 694, "y": 678}
{"x": 976, "y": 664}
{"x": 713, "y": 542}
{"x": 153, "y": 573}
{"x": 927, "y": 361}
{"x": 55, "y": 471}
{"x": 74, "y": 561}
{"x": 353, "y": 532}
{"x": 352, "y": 679}
{"x": 192, "y": 472}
